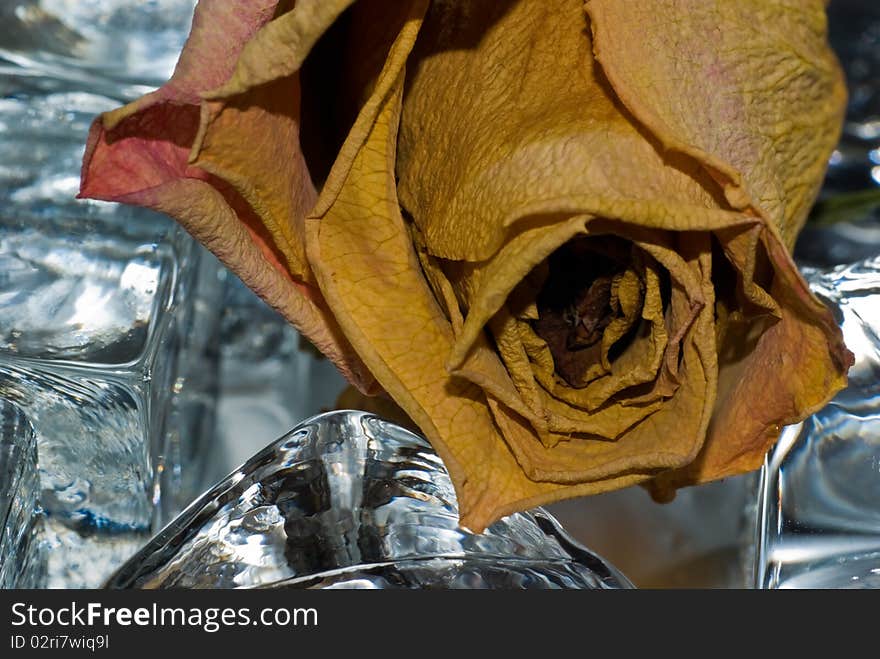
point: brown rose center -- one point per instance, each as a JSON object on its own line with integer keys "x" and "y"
{"x": 576, "y": 302}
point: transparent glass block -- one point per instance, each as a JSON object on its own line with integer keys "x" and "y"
{"x": 819, "y": 501}
{"x": 188, "y": 420}
{"x": 22, "y": 558}
{"x": 127, "y": 46}
{"x": 106, "y": 313}
{"x": 347, "y": 500}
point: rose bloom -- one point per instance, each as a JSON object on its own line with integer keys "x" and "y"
{"x": 556, "y": 234}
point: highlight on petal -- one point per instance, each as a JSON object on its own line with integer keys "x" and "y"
{"x": 231, "y": 169}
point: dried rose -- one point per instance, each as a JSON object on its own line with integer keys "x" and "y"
{"x": 559, "y": 239}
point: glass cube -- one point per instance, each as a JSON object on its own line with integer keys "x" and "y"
{"x": 270, "y": 379}
{"x": 124, "y": 46}
{"x": 22, "y": 558}
{"x": 348, "y": 500}
{"x": 105, "y": 314}
{"x": 819, "y": 522}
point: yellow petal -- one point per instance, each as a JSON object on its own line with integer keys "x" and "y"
{"x": 251, "y": 142}
{"x": 521, "y": 130}
{"x": 795, "y": 366}
{"x": 280, "y": 48}
{"x": 761, "y": 108}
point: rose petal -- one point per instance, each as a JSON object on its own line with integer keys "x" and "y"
{"x": 797, "y": 364}
{"x": 279, "y": 50}
{"x": 510, "y": 119}
{"x": 759, "y": 109}
{"x": 230, "y": 171}
{"x": 671, "y": 435}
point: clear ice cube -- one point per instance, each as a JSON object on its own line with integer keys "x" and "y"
{"x": 127, "y": 46}
{"x": 80, "y": 281}
{"x": 108, "y": 315}
{"x": 22, "y": 558}
{"x": 347, "y": 500}
{"x": 819, "y": 521}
